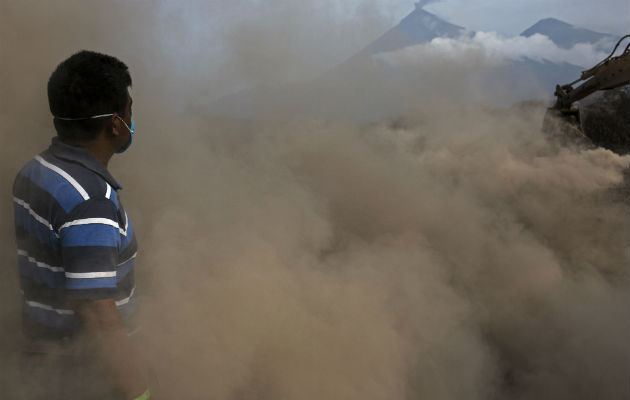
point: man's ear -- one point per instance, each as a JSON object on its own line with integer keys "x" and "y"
{"x": 114, "y": 123}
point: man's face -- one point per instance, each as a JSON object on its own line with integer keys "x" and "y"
{"x": 127, "y": 116}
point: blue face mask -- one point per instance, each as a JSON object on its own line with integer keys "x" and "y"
{"x": 131, "y": 132}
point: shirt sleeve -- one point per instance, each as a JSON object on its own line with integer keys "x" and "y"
{"x": 90, "y": 242}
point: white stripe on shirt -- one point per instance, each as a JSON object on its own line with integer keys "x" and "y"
{"x": 129, "y": 259}
{"x": 39, "y": 263}
{"x": 126, "y": 300}
{"x": 62, "y": 311}
{"x": 65, "y": 175}
{"x": 90, "y": 275}
{"x": 48, "y": 308}
{"x": 37, "y": 217}
{"x": 90, "y": 221}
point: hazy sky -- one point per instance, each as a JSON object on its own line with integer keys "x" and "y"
{"x": 326, "y": 32}
{"x": 238, "y": 44}
{"x": 511, "y": 17}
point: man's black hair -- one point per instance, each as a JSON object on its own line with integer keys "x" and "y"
{"x": 84, "y": 85}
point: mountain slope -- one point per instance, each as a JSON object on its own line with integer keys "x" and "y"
{"x": 418, "y": 27}
{"x": 566, "y": 35}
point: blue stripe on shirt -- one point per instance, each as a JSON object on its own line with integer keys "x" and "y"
{"x": 90, "y": 235}
{"x": 114, "y": 198}
{"x": 90, "y": 283}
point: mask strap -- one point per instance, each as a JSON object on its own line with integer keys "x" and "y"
{"x": 127, "y": 126}
{"x": 84, "y": 118}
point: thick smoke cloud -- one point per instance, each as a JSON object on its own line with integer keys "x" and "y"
{"x": 453, "y": 253}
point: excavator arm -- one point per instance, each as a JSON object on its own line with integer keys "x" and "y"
{"x": 612, "y": 72}
{"x": 564, "y": 121}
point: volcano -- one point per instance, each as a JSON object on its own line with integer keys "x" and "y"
{"x": 566, "y": 36}
{"x": 416, "y": 28}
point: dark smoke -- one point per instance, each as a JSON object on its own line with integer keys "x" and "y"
{"x": 452, "y": 253}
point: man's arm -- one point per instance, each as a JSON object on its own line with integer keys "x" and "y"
{"x": 105, "y": 330}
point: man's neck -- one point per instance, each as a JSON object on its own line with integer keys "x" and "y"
{"x": 97, "y": 148}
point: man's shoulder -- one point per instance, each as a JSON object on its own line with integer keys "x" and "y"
{"x": 68, "y": 183}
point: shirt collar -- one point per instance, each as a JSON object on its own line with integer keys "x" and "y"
{"x": 80, "y": 156}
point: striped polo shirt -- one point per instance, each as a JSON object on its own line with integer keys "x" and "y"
{"x": 74, "y": 240}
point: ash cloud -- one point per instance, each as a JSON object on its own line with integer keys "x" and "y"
{"x": 452, "y": 254}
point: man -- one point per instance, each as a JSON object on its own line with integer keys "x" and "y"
{"x": 76, "y": 247}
